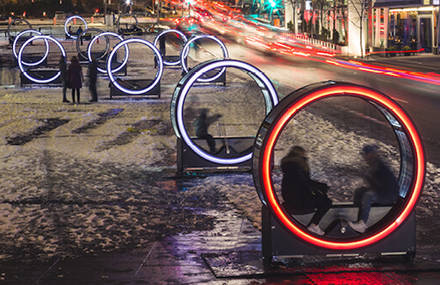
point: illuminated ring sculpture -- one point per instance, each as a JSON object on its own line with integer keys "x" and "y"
{"x": 158, "y": 74}
{"x": 70, "y": 19}
{"x": 123, "y": 15}
{"x": 19, "y": 20}
{"x": 162, "y": 34}
{"x": 185, "y": 51}
{"x": 184, "y": 85}
{"x": 106, "y": 34}
{"x": 412, "y": 158}
{"x": 81, "y": 53}
{"x": 14, "y": 48}
{"x": 20, "y": 54}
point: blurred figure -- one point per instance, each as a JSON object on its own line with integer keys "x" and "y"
{"x": 75, "y": 78}
{"x": 382, "y": 187}
{"x": 79, "y": 33}
{"x": 63, "y": 73}
{"x": 202, "y": 124}
{"x": 92, "y": 73}
{"x": 301, "y": 194}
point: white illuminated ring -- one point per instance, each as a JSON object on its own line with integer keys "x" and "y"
{"x": 163, "y": 33}
{"x": 158, "y": 74}
{"x": 191, "y": 77}
{"x": 14, "y": 48}
{"x": 185, "y": 51}
{"x": 89, "y": 50}
{"x": 20, "y": 54}
{"x": 70, "y": 19}
{"x": 81, "y": 54}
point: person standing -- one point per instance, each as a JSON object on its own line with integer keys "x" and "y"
{"x": 382, "y": 187}
{"x": 92, "y": 73}
{"x": 202, "y": 124}
{"x": 63, "y": 75}
{"x": 300, "y": 193}
{"x": 75, "y": 78}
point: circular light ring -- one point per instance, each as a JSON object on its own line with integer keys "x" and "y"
{"x": 84, "y": 55}
{"x": 20, "y": 54}
{"x": 275, "y": 122}
{"x": 185, "y": 51}
{"x": 162, "y": 34}
{"x": 125, "y": 15}
{"x": 158, "y": 74}
{"x": 182, "y": 89}
{"x": 14, "y": 48}
{"x": 106, "y": 34}
{"x": 17, "y": 19}
{"x": 70, "y": 19}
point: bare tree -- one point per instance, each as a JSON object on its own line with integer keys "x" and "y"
{"x": 362, "y": 7}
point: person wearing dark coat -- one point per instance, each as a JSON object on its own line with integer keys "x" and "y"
{"x": 301, "y": 194}
{"x": 382, "y": 187}
{"x": 63, "y": 75}
{"x": 92, "y": 73}
{"x": 75, "y": 78}
{"x": 202, "y": 124}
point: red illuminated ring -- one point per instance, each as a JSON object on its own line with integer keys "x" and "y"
{"x": 339, "y": 89}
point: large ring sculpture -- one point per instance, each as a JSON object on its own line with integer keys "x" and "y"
{"x": 125, "y": 44}
{"x": 162, "y": 34}
{"x": 412, "y": 170}
{"x": 184, "y": 85}
{"x": 185, "y": 51}
{"x": 19, "y": 20}
{"x": 122, "y": 15}
{"x": 106, "y": 34}
{"x": 81, "y": 53}
{"x": 70, "y": 19}
{"x": 20, "y": 54}
{"x": 14, "y": 48}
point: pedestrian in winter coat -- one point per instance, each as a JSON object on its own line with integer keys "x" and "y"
{"x": 301, "y": 194}
{"x": 75, "y": 78}
{"x": 63, "y": 75}
{"x": 92, "y": 73}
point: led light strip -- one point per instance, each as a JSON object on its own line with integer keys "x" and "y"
{"x": 89, "y": 51}
{"x": 185, "y": 51}
{"x": 162, "y": 34}
{"x": 20, "y": 54}
{"x": 82, "y": 54}
{"x": 158, "y": 74}
{"x": 181, "y": 92}
{"x": 14, "y": 48}
{"x": 273, "y": 132}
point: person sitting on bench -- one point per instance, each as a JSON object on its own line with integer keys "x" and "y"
{"x": 301, "y": 194}
{"x": 382, "y": 187}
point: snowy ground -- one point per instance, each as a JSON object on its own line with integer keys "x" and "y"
{"x": 104, "y": 178}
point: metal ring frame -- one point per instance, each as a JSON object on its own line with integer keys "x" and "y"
{"x": 162, "y": 34}
{"x": 158, "y": 74}
{"x": 81, "y": 53}
{"x": 183, "y": 87}
{"x": 412, "y": 169}
{"x": 14, "y": 48}
{"x": 185, "y": 51}
{"x": 125, "y": 15}
{"x": 20, "y": 54}
{"x": 17, "y": 19}
{"x": 70, "y": 19}
{"x": 106, "y": 34}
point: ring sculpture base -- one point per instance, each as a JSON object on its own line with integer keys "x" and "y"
{"x": 279, "y": 243}
{"x": 135, "y": 84}
{"x": 226, "y": 147}
{"x": 41, "y": 73}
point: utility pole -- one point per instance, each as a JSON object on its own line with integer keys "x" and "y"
{"x": 105, "y": 12}
{"x": 159, "y": 6}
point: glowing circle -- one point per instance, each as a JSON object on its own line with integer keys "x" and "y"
{"x": 158, "y": 74}
{"x": 70, "y": 19}
{"x": 182, "y": 89}
{"x": 89, "y": 50}
{"x": 14, "y": 48}
{"x": 162, "y": 34}
{"x": 185, "y": 51}
{"x": 81, "y": 53}
{"x": 20, "y": 54}
{"x": 271, "y": 129}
